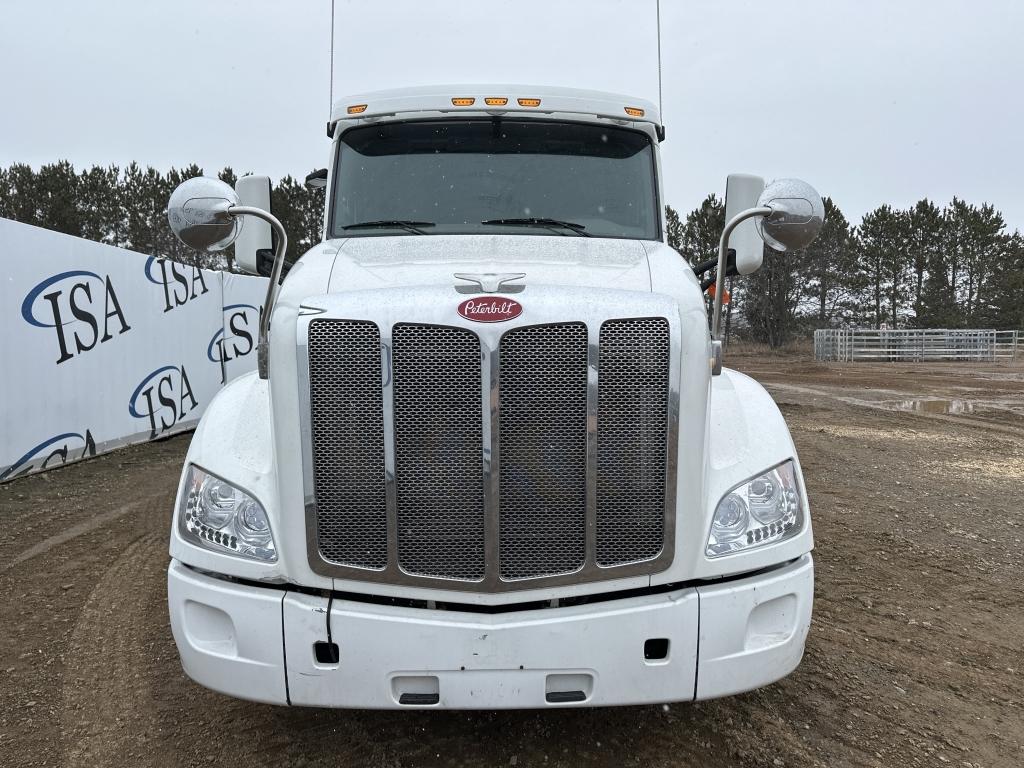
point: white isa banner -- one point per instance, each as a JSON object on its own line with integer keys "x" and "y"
{"x": 102, "y": 347}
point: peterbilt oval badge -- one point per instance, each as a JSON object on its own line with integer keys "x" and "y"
{"x": 490, "y": 309}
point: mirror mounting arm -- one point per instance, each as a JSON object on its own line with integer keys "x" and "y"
{"x": 280, "y": 247}
{"x": 723, "y": 249}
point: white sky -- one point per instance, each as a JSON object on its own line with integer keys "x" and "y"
{"x": 872, "y": 101}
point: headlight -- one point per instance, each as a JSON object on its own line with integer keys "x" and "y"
{"x": 763, "y": 510}
{"x": 216, "y": 515}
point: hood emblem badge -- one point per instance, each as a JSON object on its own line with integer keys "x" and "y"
{"x": 490, "y": 282}
{"x": 490, "y": 309}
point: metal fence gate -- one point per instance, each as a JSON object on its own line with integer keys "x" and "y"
{"x": 914, "y": 345}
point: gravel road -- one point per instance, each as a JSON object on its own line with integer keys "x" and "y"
{"x": 916, "y": 476}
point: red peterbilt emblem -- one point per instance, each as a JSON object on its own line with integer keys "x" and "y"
{"x": 490, "y": 309}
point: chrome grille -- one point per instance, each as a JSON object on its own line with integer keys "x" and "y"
{"x": 438, "y": 451}
{"x": 494, "y": 457}
{"x": 632, "y": 419}
{"x": 543, "y": 450}
{"x": 347, "y": 421}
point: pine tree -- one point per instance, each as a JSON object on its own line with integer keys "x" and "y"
{"x": 926, "y": 239}
{"x": 57, "y": 195}
{"x": 699, "y": 236}
{"x": 300, "y": 210}
{"x": 985, "y": 228}
{"x": 1001, "y": 302}
{"x": 833, "y": 274}
{"x": 20, "y": 199}
{"x": 100, "y": 205}
{"x": 884, "y": 257}
{"x": 772, "y": 297}
{"x": 673, "y": 228}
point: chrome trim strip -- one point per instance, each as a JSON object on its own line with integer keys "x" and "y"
{"x": 390, "y": 493}
{"x": 306, "y": 437}
{"x": 593, "y": 355}
{"x": 491, "y": 367}
{"x": 675, "y": 372}
{"x": 543, "y": 305}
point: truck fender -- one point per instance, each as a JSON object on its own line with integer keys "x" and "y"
{"x": 746, "y": 436}
{"x": 233, "y": 441}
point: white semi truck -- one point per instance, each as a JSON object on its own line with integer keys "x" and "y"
{"x": 490, "y": 458}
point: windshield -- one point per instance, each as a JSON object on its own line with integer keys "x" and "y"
{"x": 490, "y": 176}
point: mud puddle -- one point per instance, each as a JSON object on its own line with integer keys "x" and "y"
{"x": 954, "y": 407}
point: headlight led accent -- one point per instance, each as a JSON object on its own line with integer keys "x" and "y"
{"x": 763, "y": 510}
{"x": 217, "y": 515}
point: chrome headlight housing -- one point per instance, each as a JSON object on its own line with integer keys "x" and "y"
{"x": 763, "y": 510}
{"x": 214, "y": 514}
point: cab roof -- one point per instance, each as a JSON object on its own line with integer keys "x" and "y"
{"x": 496, "y": 100}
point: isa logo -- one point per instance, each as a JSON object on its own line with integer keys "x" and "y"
{"x": 181, "y": 283}
{"x": 81, "y": 307}
{"x": 164, "y": 398}
{"x": 58, "y": 450}
{"x": 237, "y": 335}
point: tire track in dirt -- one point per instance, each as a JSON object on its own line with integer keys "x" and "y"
{"x": 72, "y": 533}
{"x": 126, "y": 700}
{"x": 105, "y": 688}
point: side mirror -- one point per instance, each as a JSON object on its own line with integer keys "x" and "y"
{"x": 199, "y": 214}
{"x": 205, "y": 214}
{"x": 254, "y": 250}
{"x": 742, "y": 191}
{"x": 797, "y": 216}
{"x": 317, "y": 179}
{"x": 790, "y": 214}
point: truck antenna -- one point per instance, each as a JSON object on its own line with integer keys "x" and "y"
{"x": 657, "y": 10}
{"x": 330, "y": 106}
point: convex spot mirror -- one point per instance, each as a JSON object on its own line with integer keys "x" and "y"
{"x": 797, "y": 214}
{"x": 199, "y": 214}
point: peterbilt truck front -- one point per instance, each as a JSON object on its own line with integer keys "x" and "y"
{"x": 491, "y": 458}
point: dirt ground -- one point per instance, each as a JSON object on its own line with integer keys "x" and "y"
{"x": 916, "y": 479}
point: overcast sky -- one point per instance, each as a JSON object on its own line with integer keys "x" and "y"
{"x": 871, "y": 101}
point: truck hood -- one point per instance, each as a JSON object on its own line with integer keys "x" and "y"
{"x": 409, "y": 260}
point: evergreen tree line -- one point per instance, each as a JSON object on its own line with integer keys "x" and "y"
{"x": 923, "y": 267}
{"x": 951, "y": 267}
{"x": 126, "y": 207}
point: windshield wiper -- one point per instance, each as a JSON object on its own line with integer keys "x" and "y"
{"x": 408, "y": 226}
{"x": 541, "y": 222}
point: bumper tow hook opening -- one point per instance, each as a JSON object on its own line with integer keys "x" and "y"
{"x": 326, "y": 653}
{"x": 563, "y": 697}
{"x": 419, "y": 699}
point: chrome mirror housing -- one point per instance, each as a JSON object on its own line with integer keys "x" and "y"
{"x": 205, "y": 214}
{"x": 199, "y": 214}
{"x": 797, "y": 214}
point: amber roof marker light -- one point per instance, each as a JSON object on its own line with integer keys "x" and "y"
{"x": 496, "y": 101}
{"x": 356, "y": 109}
{"x": 529, "y": 102}
{"x": 634, "y": 111}
{"x": 463, "y": 101}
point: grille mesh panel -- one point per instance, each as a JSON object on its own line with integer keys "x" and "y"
{"x": 543, "y": 445}
{"x": 540, "y": 526}
{"x": 633, "y": 371}
{"x": 347, "y": 424}
{"x": 438, "y": 451}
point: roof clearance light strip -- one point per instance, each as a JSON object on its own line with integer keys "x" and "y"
{"x": 634, "y": 111}
{"x": 496, "y": 101}
{"x": 463, "y": 101}
{"x": 356, "y": 109}
{"x": 529, "y": 102}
